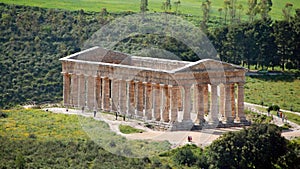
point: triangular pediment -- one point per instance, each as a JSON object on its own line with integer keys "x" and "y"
{"x": 209, "y": 65}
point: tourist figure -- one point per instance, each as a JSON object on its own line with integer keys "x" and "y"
{"x": 277, "y": 113}
{"x": 82, "y": 109}
{"x": 124, "y": 117}
{"x": 286, "y": 118}
{"x": 283, "y": 117}
{"x": 95, "y": 112}
{"x": 189, "y": 138}
{"x": 116, "y": 115}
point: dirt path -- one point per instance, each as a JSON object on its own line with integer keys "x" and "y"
{"x": 176, "y": 138}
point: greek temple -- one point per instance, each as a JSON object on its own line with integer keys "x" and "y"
{"x": 176, "y": 95}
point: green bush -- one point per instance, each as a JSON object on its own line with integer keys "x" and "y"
{"x": 128, "y": 129}
{"x": 184, "y": 156}
{"x": 3, "y": 115}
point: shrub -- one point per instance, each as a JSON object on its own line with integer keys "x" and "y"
{"x": 3, "y": 115}
{"x": 185, "y": 156}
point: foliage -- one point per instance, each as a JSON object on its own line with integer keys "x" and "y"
{"x": 60, "y": 154}
{"x": 260, "y": 146}
{"x": 185, "y": 156}
{"x": 274, "y": 107}
{"x": 128, "y": 129}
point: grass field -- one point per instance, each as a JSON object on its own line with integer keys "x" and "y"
{"x": 192, "y": 7}
{"x": 283, "y": 91}
{"x": 22, "y": 124}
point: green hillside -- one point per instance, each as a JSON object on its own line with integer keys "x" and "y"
{"x": 192, "y": 7}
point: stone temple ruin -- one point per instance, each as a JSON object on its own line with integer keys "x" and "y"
{"x": 173, "y": 95}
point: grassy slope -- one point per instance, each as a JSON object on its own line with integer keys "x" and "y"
{"x": 46, "y": 126}
{"x": 285, "y": 93}
{"x": 187, "y": 6}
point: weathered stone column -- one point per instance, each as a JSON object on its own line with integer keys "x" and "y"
{"x": 114, "y": 95}
{"x": 241, "y": 116}
{"x": 213, "y": 114}
{"x": 105, "y": 94}
{"x": 174, "y": 104}
{"x": 205, "y": 98}
{"x": 180, "y": 100}
{"x": 66, "y": 89}
{"x": 200, "y": 104}
{"x": 232, "y": 95}
{"x": 140, "y": 100}
{"x": 222, "y": 99}
{"x": 82, "y": 91}
{"x": 122, "y": 97}
{"x": 98, "y": 92}
{"x": 166, "y": 105}
{"x": 156, "y": 102}
{"x": 74, "y": 99}
{"x": 148, "y": 101}
{"x": 195, "y": 94}
{"x": 228, "y": 110}
{"x": 187, "y": 103}
{"x": 130, "y": 99}
{"x": 91, "y": 92}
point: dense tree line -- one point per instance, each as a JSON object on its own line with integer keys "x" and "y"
{"x": 260, "y": 43}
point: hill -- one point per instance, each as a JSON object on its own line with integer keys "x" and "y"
{"x": 192, "y": 7}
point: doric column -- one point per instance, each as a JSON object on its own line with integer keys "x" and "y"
{"x": 195, "y": 94}
{"x": 222, "y": 99}
{"x": 213, "y": 114}
{"x": 130, "y": 99}
{"x": 156, "y": 102}
{"x": 122, "y": 97}
{"x": 98, "y": 92}
{"x": 140, "y": 99}
{"x": 180, "y": 100}
{"x": 82, "y": 91}
{"x": 240, "y": 114}
{"x": 205, "y": 98}
{"x": 148, "y": 101}
{"x": 232, "y": 95}
{"x": 166, "y": 105}
{"x": 200, "y": 103}
{"x": 114, "y": 95}
{"x": 105, "y": 94}
{"x": 66, "y": 89}
{"x": 187, "y": 103}
{"x": 91, "y": 92}
{"x": 227, "y": 106}
{"x": 74, "y": 90}
{"x": 174, "y": 104}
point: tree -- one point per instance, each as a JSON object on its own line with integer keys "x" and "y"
{"x": 166, "y": 6}
{"x": 206, "y": 6}
{"x": 265, "y": 6}
{"x": 177, "y": 4}
{"x": 144, "y": 6}
{"x": 283, "y": 33}
{"x": 259, "y": 146}
{"x": 287, "y": 11}
{"x": 252, "y": 9}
